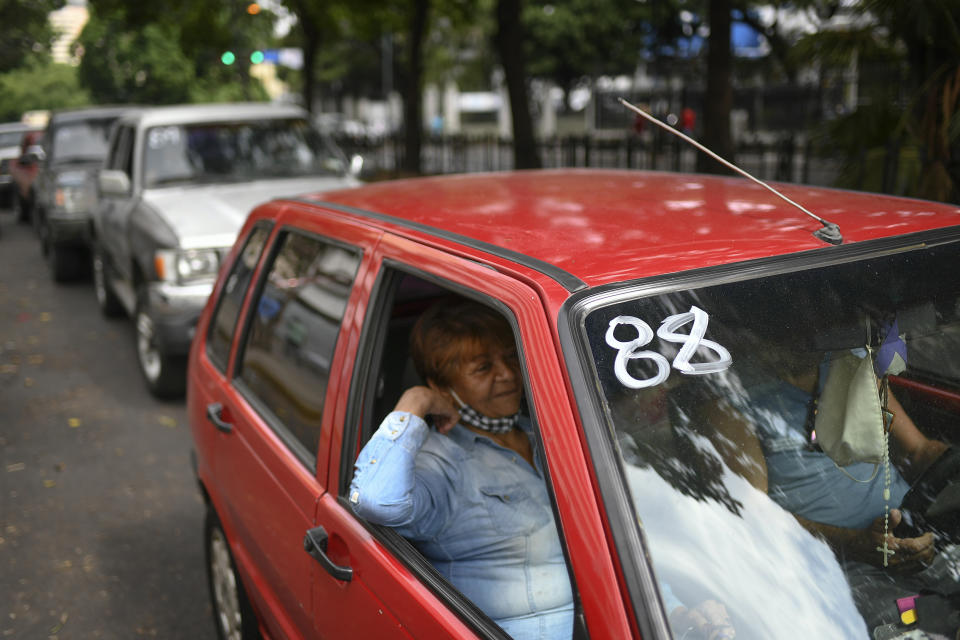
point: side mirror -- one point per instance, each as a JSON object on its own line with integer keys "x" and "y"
{"x": 33, "y": 154}
{"x": 356, "y": 164}
{"x": 113, "y": 183}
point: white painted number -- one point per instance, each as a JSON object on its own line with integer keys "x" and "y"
{"x": 692, "y": 341}
{"x": 628, "y": 351}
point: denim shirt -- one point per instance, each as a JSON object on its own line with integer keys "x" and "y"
{"x": 806, "y": 481}
{"x": 478, "y": 512}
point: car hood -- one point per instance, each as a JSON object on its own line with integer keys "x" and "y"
{"x": 211, "y": 215}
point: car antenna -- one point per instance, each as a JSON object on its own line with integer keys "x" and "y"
{"x": 829, "y": 232}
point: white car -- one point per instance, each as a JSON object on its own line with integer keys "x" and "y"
{"x": 174, "y": 191}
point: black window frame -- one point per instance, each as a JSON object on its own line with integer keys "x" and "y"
{"x": 309, "y": 459}
{"x": 358, "y": 420}
{"x": 118, "y": 139}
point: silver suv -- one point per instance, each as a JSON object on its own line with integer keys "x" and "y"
{"x": 175, "y": 189}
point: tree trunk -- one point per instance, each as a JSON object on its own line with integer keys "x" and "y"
{"x": 311, "y": 42}
{"x": 309, "y": 71}
{"x": 718, "y": 100}
{"x": 413, "y": 88}
{"x": 509, "y": 41}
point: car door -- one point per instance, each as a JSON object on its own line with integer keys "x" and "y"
{"x": 113, "y": 210}
{"x": 414, "y": 597}
{"x": 267, "y": 415}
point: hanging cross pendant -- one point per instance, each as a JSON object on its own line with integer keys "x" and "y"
{"x": 886, "y": 551}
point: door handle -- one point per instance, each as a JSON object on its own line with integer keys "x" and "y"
{"x": 315, "y": 543}
{"x": 215, "y": 415}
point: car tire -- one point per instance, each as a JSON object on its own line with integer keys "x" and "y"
{"x": 165, "y": 374}
{"x": 232, "y": 614}
{"x": 106, "y": 299}
{"x": 65, "y": 263}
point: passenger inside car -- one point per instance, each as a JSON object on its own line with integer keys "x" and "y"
{"x": 468, "y": 489}
{"x": 855, "y": 507}
{"x": 732, "y": 463}
{"x": 846, "y": 505}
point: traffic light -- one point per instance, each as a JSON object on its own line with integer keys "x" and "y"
{"x": 256, "y": 57}
{"x": 228, "y": 58}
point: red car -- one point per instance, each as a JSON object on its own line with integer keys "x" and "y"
{"x": 673, "y": 333}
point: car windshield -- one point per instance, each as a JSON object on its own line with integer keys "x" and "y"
{"x": 728, "y": 405}
{"x": 83, "y": 140}
{"x": 237, "y": 151}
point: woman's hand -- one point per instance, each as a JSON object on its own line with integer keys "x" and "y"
{"x": 864, "y": 545}
{"x": 423, "y": 401}
{"x": 910, "y": 554}
{"x": 708, "y": 620}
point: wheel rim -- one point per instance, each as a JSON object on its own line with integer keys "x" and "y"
{"x": 149, "y": 356}
{"x": 226, "y": 596}
{"x": 99, "y": 284}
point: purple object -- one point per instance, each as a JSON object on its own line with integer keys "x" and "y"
{"x": 906, "y": 604}
{"x": 892, "y": 354}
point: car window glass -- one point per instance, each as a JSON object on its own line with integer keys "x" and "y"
{"x": 718, "y": 400}
{"x": 237, "y": 151}
{"x": 491, "y": 480}
{"x": 293, "y": 332}
{"x": 224, "y": 321}
{"x": 81, "y": 140}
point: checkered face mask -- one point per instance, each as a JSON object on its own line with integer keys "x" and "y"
{"x": 472, "y": 417}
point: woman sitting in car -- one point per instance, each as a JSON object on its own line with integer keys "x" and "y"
{"x": 470, "y": 492}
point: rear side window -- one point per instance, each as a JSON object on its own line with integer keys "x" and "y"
{"x": 292, "y": 335}
{"x": 224, "y": 322}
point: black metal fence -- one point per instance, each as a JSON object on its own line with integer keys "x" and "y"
{"x": 780, "y": 160}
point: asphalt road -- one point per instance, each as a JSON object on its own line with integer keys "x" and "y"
{"x": 100, "y": 516}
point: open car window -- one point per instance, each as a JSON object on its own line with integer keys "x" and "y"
{"x": 386, "y": 372}
{"x": 715, "y": 396}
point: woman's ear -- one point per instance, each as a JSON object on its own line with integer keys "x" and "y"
{"x": 444, "y": 391}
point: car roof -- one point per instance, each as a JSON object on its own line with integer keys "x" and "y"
{"x": 7, "y": 127}
{"x": 213, "y": 112}
{"x": 89, "y": 113}
{"x": 604, "y": 226}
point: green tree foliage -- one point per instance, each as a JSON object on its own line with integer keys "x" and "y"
{"x": 123, "y": 66}
{"x": 39, "y": 85}
{"x": 25, "y": 31}
{"x": 905, "y": 133}
{"x": 166, "y": 53}
{"x": 570, "y": 40}
{"x": 374, "y": 47}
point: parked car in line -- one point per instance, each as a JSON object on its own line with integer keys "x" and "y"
{"x": 647, "y": 309}
{"x": 176, "y": 187}
{"x": 74, "y": 146}
{"x": 11, "y": 138}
